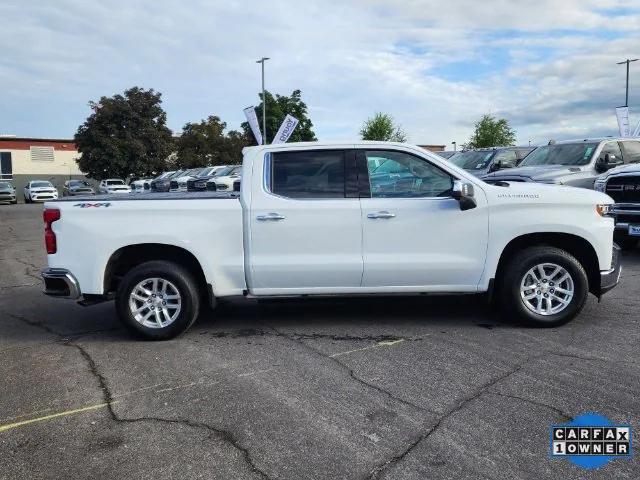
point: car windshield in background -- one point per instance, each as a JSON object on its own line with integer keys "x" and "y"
{"x": 41, "y": 184}
{"x": 560, "y": 154}
{"x": 5, "y": 185}
{"x": 78, "y": 183}
{"x": 472, "y": 159}
{"x": 224, "y": 171}
{"x": 115, "y": 182}
{"x": 206, "y": 172}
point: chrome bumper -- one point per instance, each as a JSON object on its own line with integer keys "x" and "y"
{"x": 60, "y": 282}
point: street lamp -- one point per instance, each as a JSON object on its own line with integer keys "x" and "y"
{"x": 627, "y": 61}
{"x": 264, "y": 103}
{"x": 455, "y": 146}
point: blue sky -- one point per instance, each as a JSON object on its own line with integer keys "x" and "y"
{"x": 436, "y": 66}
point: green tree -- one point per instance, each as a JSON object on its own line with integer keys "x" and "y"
{"x": 125, "y": 135}
{"x": 277, "y": 108}
{"x": 205, "y": 143}
{"x": 381, "y": 127}
{"x": 492, "y": 132}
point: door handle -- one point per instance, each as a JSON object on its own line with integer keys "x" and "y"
{"x": 270, "y": 216}
{"x": 383, "y": 214}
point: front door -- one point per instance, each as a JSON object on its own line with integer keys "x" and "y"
{"x": 305, "y": 231}
{"x": 415, "y": 237}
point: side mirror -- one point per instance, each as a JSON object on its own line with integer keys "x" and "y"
{"x": 607, "y": 162}
{"x": 464, "y": 194}
{"x": 495, "y": 166}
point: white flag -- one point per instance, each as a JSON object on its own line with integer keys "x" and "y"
{"x": 286, "y": 129}
{"x": 622, "y": 114}
{"x": 636, "y": 132}
{"x": 252, "y": 118}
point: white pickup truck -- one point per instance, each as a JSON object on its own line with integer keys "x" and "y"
{"x": 334, "y": 219}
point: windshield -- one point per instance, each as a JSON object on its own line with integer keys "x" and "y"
{"x": 206, "y": 172}
{"x": 223, "y": 171}
{"x": 41, "y": 184}
{"x": 115, "y": 182}
{"x": 78, "y": 183}
{"x": 473, "y": 159}
{"x": 560, "y": 154}
{"x": 5, "y": 185}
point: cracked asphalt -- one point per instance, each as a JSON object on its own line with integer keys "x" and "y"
{"x": 393, "y": 388}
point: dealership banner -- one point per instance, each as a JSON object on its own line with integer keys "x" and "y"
{"x": 286, "y": 129}
{"x": 622, "y": 114}
{"x": 252, "y": 118}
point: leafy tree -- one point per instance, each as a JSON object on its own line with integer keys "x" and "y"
{"x": 492, "y": 132}
{"x": 381, "y": 127}
{"x": 125, "y": 135}
{"x": 206, "y": 143}
{"x": 277, "y": 109}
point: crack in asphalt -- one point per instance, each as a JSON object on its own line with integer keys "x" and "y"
{"x": 253, "y": 332}
{"x": 222, "y": 434}
{"x": 564, "y": 416}
{"x": 298, "y": 338}
{"x": 377, "y": 471}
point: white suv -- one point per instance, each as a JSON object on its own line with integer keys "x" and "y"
{"x": 113, "y": 185}
{"x": 39, "y": 191}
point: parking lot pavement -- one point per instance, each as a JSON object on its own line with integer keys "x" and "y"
{"x": 348, "y": 389}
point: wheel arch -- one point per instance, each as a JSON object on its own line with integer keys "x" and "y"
{"x": 125, "y": 258}
{"x": 577, "y": 246}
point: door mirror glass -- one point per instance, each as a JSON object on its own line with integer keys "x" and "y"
{"x": 464, "y": 193}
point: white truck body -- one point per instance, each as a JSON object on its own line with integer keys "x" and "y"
{"x": 263, "y": 244}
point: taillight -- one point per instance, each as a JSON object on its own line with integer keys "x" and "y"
{"x": 50, "y": 215}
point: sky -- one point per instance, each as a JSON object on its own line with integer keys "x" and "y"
{"x": 547, "y": 66}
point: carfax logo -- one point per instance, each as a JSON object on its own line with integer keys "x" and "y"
{"x": 591, "y": 440}
{"x": 93, "y": 205}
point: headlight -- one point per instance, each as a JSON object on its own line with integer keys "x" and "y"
{"x": 599, "y": 186}
{"x": 604, "y": 210}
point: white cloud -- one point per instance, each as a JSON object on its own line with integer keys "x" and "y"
{"x": 558, "y": 76}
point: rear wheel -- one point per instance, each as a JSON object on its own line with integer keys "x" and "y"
{"x": 158, "y": 300}
{"x": 543, "y": 287}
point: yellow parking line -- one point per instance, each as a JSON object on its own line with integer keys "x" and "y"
{"x": 9, "y": 426}
{"x": 385, "y": 343}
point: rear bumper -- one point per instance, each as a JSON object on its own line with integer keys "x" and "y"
{"x": 610, "y": 278}
{"x": 60, "y": 282}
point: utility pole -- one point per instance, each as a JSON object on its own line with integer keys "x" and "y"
{"x": 626, "y": 97}
{"x": 264, "y": 103}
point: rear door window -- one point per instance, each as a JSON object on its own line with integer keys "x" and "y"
{"x": 308, "y": 174}
{"x": 631, "y": 151}
{"x": 613, "y": 149}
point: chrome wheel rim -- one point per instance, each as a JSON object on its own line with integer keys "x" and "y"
{"x": 155, "y": 303}
{"x": 547, "y": 289}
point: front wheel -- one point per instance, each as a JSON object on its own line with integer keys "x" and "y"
{"x": 158, "y": 300}
{"x": 543, "y": 287}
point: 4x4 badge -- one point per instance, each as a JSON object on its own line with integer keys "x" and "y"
{"x": 93, "y": 205}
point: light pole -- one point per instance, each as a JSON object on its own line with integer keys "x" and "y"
{"x": 627, "y": 61}
{"x": 264, "y": 103}
{"x": 455, "y": 146}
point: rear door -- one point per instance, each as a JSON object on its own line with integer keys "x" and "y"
{"x": 305, "y": 224}
{"x": 415, "y": 237}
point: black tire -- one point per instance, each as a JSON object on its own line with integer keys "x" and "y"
{"x": 183, "y": 280}
{"x": 26, "y": 200}
{"x": 509, "y": 295}
{"x": 626, "y": 242}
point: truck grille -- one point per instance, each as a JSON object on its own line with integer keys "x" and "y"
{"x": 624, "y": 189}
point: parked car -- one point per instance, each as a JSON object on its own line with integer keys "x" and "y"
{"x": 576, "y": 163}
{"x": 39, "y": 190}
{"x": 141, "y": 186}
{"x": 199, "y": 183}
{"x": 623, "y": 185}
{"x": 7, "y": 192}
{"x": 113, "y": 185}
{"x": 163, "y": 182}
{"x": 310, "y": 221}
{"x": 179, "y": 184}
{"x": 224, "y": 182}
{"x": 447, "y": 153}
{"x": 77, "y": 187}
{"x": 482, "y": 161}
